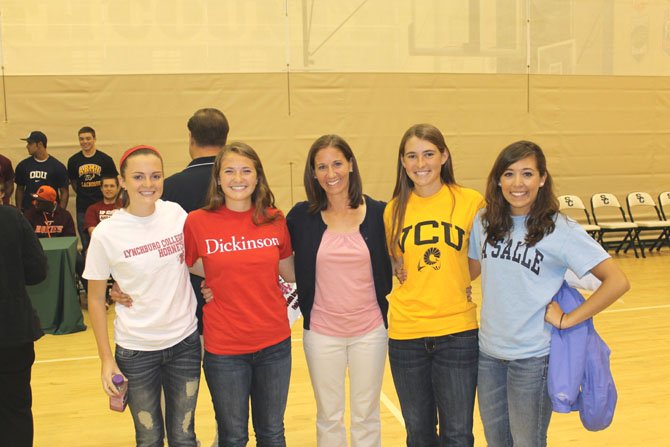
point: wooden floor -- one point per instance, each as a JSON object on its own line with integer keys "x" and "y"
{"x": 70, "y": 408}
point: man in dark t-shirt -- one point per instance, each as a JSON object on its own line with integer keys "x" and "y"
{"x": 37, "y": 170}
{"x": 86, "y": 169}
{"x": 208, "y": 132}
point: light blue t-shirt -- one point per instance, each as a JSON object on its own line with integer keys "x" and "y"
{"x": 519, "y": 281}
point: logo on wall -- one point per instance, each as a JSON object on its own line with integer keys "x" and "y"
{"x": 431, "y": 258}
{"x": 639, "y": 34}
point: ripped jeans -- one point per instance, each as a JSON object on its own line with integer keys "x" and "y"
{"x": 177, "y": 371}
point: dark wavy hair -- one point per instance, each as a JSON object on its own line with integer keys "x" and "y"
{"x": 497, "y": 219}
{"x": 404, "y": 185}
{"x": 262, "y": 198}
{"x": 316, "y": 196}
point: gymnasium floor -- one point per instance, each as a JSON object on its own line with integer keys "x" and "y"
{"x": 70, "y": 408}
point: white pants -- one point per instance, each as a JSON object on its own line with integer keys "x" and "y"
{"x": 328, "y": 359}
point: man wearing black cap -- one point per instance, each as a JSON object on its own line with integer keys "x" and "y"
{"x": 37, "y": 170}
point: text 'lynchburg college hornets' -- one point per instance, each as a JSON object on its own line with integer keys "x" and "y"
{"x": 168, "y": 246}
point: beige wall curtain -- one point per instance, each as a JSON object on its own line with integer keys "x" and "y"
{"x": 585, "y": 79}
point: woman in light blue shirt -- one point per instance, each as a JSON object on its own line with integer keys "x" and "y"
{"x": 522, "y": 245}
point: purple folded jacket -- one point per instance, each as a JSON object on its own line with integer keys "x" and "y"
{"x": 580, "y": 378}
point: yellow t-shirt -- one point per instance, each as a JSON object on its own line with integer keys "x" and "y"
{"x": 434, "y": 247}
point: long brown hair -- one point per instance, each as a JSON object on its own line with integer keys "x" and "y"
{"x": 316, "y": 196}
{"x": 123, "y": 197}
{"x": 497, "y": 219}
{"x": 404, "y": 185}
{"x": 262, "y": 197}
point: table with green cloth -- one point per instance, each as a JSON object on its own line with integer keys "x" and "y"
{"x": 56, "y": 299}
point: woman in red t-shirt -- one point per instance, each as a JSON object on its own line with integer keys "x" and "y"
{"x": 244, "y": 245}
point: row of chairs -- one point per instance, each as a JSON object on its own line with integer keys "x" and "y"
{"x": 644, "y": 216}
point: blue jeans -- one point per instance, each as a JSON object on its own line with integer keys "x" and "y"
{"x": 175, "y": 369}
{"x": 262, "y": 376}
{"x": 435, "y": 378}
{"x": 513, "y": 401}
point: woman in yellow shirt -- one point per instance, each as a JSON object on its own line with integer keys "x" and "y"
{"x": 433, "y": 344}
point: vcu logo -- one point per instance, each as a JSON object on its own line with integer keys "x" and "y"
{"x": 431, "y": 258}
{"x": 432, "y": 233}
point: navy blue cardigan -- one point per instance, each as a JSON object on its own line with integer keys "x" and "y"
{"x": 306, "y": 232}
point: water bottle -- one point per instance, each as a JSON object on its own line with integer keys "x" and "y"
{"x": 118, "y": 402}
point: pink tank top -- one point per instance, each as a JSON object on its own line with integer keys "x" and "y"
{"x": 345, "y": 303}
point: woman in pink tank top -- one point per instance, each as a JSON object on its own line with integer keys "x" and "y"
{"x": 343, "y": 274}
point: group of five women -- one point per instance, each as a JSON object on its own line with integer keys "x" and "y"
{"x": 342, "y": 247}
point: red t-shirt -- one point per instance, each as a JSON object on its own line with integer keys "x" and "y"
{"x": 98, "y": 212}
{"x": 241, "y": 260}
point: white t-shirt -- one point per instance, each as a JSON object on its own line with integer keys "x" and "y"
{"x": 145, "y": 256}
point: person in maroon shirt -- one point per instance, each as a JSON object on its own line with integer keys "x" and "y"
{"x": 46, "y": 217}
{"x": 103, "y": 209}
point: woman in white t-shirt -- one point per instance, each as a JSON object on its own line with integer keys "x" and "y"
{"x": 157, "y": 342}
